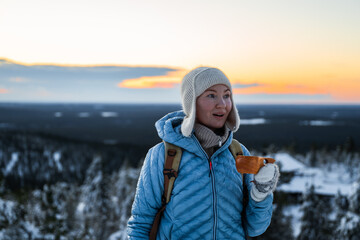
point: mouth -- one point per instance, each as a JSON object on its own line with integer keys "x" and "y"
{"x": 218, "y": 115}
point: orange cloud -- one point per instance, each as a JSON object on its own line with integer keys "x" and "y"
{"x": 167, "y": 81}
{"x": 3, "y": 91}
{"x": 279, "y": 89}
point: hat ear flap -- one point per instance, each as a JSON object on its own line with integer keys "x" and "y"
{"x": 188, "y": 123}
{"x": 233, "y": 120}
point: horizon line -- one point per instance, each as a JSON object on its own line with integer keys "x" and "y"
{"x": 173, "y": 103}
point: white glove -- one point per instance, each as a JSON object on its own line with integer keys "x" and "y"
{"x": 265, "y": 182}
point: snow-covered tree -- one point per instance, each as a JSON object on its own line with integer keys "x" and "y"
{"x": 280, "y": 227}
{"x": 12, "y": 224}
{"x": 350, "y": 223}
{"x": 315, "y": 222}
{"x": 95, "y": 207}
{"x": 341, "y": 205}
{"x": 49, "y": 209}
{"x": 123, "y": 188}
{"x": 312, "y": 157}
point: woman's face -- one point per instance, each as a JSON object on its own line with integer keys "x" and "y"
{"x": 213, "y": 106}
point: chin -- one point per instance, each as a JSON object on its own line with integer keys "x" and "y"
{"x": 217, "y": 126}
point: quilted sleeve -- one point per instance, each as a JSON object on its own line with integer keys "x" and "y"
{"x": 148, "y": 194}
{"x": 258, "y": 214}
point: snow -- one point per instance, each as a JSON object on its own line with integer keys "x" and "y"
{"x": 57, "y": 157}
{"x": 287, "y": 162}
{"x": 13, "y": 161}
{"x": 84, "y": 115}
{"x": 32, "y": 231}
{"x": 354, "y": 188}
{"x": 58, "y": 114}
{"x": 97, "y": 179}
{"x": 7, "y": 210}
{"x": 295, "y": 212}
{"x": 326, "y": 182}
{"x": 109, "y": 114}
{"x": 253, "y": 121}
{"x": 317, "y": 123}
{"x": 119, "y": 235}
{"x": 350, "y": 221}
{"x": 80, "y": 207}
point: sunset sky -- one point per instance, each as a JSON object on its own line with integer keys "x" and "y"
{"x": 121, "y": 51}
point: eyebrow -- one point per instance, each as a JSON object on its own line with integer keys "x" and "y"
{"x": 211, "y": 90}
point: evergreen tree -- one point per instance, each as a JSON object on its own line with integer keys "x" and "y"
{"x": 350, "y": 223}
{"x": 312, "y": 156}
{"x": 349, "y": 145}
{"x": 280, "y": 227}
{"x": 341, "y": 205}
{"x": 98, "y": 208}
{"x": 50, "y": 213}
{"x": 12, "y": 224}
{"x": 123, "y": 188}
{"x": 314, "y": 222}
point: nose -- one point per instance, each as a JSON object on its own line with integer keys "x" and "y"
{"x": 221, "y": 103}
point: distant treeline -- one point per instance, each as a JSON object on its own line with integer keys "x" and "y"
{"x": 29, "y": 160}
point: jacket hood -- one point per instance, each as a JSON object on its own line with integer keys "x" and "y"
{"x": 169, "y": 130}
{"x": 169, "y": 127}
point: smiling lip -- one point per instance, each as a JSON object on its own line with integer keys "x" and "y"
{"x": 218, "y": 115}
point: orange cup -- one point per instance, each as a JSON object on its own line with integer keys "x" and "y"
{"x": 251, "y": 164}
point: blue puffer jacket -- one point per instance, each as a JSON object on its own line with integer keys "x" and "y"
{"x": 204, "y": 204}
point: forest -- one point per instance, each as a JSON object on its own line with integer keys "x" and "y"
{"x": 54, "y": 187}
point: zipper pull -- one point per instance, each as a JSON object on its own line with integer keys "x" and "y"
{"x": 219, "y": 143}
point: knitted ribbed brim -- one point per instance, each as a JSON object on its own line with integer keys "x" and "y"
{"x": 193, "y": 85}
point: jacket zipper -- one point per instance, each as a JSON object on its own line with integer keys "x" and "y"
{"x": 212, "y": 175}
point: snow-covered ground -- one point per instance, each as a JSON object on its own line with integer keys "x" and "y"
{"x": 254, "y": 121}
{"x": 327, "y": 181}
{"x": 287, "y": 162}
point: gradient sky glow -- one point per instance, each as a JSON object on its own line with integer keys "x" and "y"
{"x": 280, "y": 51}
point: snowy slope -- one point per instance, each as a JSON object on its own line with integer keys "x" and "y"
{"x": 327, "y": 181}
{"x": 287, "y": 162}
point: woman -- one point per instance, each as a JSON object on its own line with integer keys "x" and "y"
{"x": 207, "y": 198}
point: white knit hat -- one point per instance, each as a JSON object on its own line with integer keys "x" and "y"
{"x": 193, "y": 85}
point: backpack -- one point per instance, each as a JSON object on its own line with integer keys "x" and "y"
{"x": 173, "y": 155}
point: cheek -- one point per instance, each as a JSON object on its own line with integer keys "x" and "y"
{"x": 229, "y": 105}
{"x": 200, "y": 108}
{"x": 204, "y": 111}
{"x": 204, "y": 105}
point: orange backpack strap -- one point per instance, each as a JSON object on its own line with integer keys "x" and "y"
{"x": 171, "y": 166}
{"x": 236, "y": 150}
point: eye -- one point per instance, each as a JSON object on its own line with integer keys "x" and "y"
{"x": 227, "y": 96}
{"x": 211, "y": 95}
